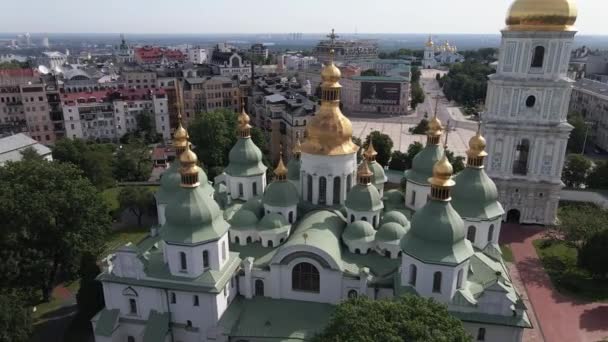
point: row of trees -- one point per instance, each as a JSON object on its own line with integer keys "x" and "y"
{"x": 579, "y": 171}
{"x": 400, "y": 53}
{"x": 417, "y": 91}
{"x": 466, "y": 83}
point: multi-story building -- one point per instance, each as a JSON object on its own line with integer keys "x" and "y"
{"x": 53, "y": 59}
{"x": 154, "y": 55}
{"x": 229, "y": 64}
{"x": 204, "y": 94}
{"x": 197, "y": 55}
{"x": 139, "y": 79}
{"x": 258, "y": 51}
{"x": 108, "y": 115}
{"x": 346, "y": 50}
{"x": 590, "y": 99}
{"x": 295, "y": 62}
{"x": 124, "y": 53}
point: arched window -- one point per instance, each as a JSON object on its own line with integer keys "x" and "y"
{"x": 182, "y": 261}
{"x": 249, "y": 240}
{"x": 337, "y": 186}
{"x": 481, "y": 334}
{"x": 309, "y": 187}
{"x": 374, "y": 220}
{"x": 437, "y": 282}
{"x": 305, "y": 277}
{"x": 254, "y": 188}
{"x": 195, "y": 300}
{"x": 270, "y": 244}
{"x": 520, "y": 165}
{"x": 291, "y": 217}
{"x": 240, "y": 189}
{"x": 206, "y": 258}
{"x": 413, "y": 201}
{"x": 459, "y": 279}
{"x": 188, "y": 324}
{"x": 322, "y": 190}
{"x": 471, "y": 234}
{"x": 259, "y": 287}
{"x": 352, "y": 218}
{"x": 352, "y": 294}
{"x": 387, "y": 253}
{"x": 173, "y": 298}
{"x": 349, "y": 182}
{"x": 130, "y": 339}
{"x": 491, "y": 233}
{"x": 539, "y": 56}
{"x": 237, "y": 240}
{"x": 364, "y": 219}
{"x": 413, "y": 274}
{"x": 132, "y": 306}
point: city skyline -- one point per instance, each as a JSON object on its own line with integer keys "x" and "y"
{"x": 241, "y": 16}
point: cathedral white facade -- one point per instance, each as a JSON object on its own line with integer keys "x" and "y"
{"x": 443, "y": 54}
{"x": 242, "y": 260}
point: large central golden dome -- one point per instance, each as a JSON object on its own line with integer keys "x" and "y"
{"x": 329, "y": 132}
{"x": 542, "y": 15}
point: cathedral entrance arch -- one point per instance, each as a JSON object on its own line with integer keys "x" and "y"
{"x": 513, "y": 216}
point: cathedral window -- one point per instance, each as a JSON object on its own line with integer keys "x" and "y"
{"x": 538, "y": 57}
{"x": 322, "y": 190}
{"x": 530, "y": 101}
{"x": 132, "y": 306}
{"x": 305, "y": 277}
{"x": 173, "y": 298}
{"x": 413, "y": 201}
{"x": 337, "y": 187}
{"x": 413, "y": 275}
{"x": 291, "y": 217}
{"x": 352, "y": 294}
{"x": 182, "y": 261}
{"x": 188, "y": 324}
{"x": 240, "y": 189}
{"x": 491, "y": 233}
{"x": 130, "y": 339}
{"x": 349, "y": 182}
{"x": 195, "y": 300}
{"x": 471, "y": 234}
{"x": 374, "y": 220}
{"x": 254, "y": 188}
{"x": 459, "y": 279}
{"x": 205, "y": 259}
{"x": 259, "y": 287}
{"x": 520, "y": 165}
{"x": 437, "y": 282}
{"x": 309, "y": 187}
{"x": 481, "y": 334}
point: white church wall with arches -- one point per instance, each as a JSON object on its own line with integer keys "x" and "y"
{"x": 416, "y": 195}
{"x": 323, "y": 176}
{"x": 480, "y": 233}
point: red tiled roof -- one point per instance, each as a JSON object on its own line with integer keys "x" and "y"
{"x": 18, "y": 73}
{"x": 152, "y": 54}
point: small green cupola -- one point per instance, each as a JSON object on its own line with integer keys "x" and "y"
{"x": 280, "y": 193}
{"x": 192, "y": 216}
{"x": 423, "y": 162}
{"x": 293, "y": 166}
{"x": 363, "y": 201}
{"x": 475, "y": 195}
{"x": 437, "y": 232}
{"x": 378, "y": 175}
{"x": 245, "y": 158}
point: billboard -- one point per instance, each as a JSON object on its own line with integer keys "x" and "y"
{"x": 380, "y": 93}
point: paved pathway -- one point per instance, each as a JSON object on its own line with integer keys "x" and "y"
{"x": 562, "y": 319}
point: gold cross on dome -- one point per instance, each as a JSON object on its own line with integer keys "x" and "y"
{"x": 332, "y": 37}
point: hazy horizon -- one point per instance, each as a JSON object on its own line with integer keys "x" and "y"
{"x": 271, "y": 17}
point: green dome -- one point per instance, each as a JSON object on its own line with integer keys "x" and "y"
{"x": 281, "y": 194}
{"x": 245, "y": 159}
{"x": 358, "y": 230}
{"x": 192, "y": 217}
{"x": 378, "y": 173}
{"x": 394, "y": 216}
{"x": 364, "y": 198}
{"x": 437, "y": 235}
{"x": 272, "y": 221}
{"x": 255, "y": 205}
{"x": 293, "y": 169}
{"x": 393, "y": 199}
{"x": 422, "y": 165}
{"x": 475, "y": 195}
{"x": 171, "y": 179}
{"x": 390, "y": 232}
{"x": 243, "y": 219}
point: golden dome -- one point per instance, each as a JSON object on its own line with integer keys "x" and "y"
{"x": 364, "y": 174}
{"x": 280, "y": 171}
{"x": 442, "y": 173}
{"x": 331, "y": 73}
{"x": 477, "y": 145}
{"x": 429, "y": 42}
{"x": 244, "y": 128}
{"x": 297, "y": 148}
{"x": 370, "y": 153}
{"x": 435, "y": 127}
{"x": 189, "y": 170}
{"x": 542, "y": 15}
{"x": 188, "y": 157}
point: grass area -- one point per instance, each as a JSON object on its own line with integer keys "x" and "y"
{"x": 507, "y": 253}
{"x": 120, "y": 237}
{"x": 560, "y": 262}
{"x": 110, "y": 196}
{"x": 43, "y": 309}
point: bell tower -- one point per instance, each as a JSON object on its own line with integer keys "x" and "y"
{"x": 526, "y": 109}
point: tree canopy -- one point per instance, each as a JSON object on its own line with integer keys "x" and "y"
{"x": 138, "y": 200}
{"x": 95, "y": 160}
{"x": 409, "y": 318}
{"x": 132, "y": 162}
{"x": 15, "y": 318}
{"x": 577, "y": 135}
{"x": 575, "y": 170}
{"x": 51, "y": 216}
{"x": 466, "y": 83}
{"x": 403, "y": 161}
{"x": 383, "y": 144}
{"x": 598, "y": 177}
{"x": 578, "y": 223}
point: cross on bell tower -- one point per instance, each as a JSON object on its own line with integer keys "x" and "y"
{"x": 332, "y": 43}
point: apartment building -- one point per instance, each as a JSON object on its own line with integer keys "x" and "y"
{"x": 590, "y": 99}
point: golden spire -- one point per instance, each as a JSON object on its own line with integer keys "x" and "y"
{"x": 542, "y": 15}
{"x": 329, "y": 132}
{"x": 370, "y": 153}
{"x": 189, "y": 169}
{"x": 429, "y": 42}
{"x": 435, "y": 129}
{"x": 364, "y": 174}
{"x": 244, "y": 129}
{"x": 280, "y": 172}
{"x": 297, "y": 148}
{"x": 476, "y": 152}
{"x": 180, "y": 135}
{"x": 441, "y": 182}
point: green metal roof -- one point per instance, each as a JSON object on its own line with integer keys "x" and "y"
{"x": 254, "y": 205}
{"x": 193, "y": 217}
{"x": 422, "y": 165}
{"x": 245, "y": 159}
{"x": 437, "y": 235}
{"x": 378, "y": 173}
{"x": 391, "y": 231}
{"x": 397, "y": 217}
{"x": 393, "y": 199}
{"x": 267, "y": 319}
{"x": 293, "y": 169}
{"x": 157, "y": 327}
{"x": 281, "y": 194}
{"x": 475, "y": 195}
{"x": 243, "y": 219}
{"x": 359, "y": 230}
{"x": 171, "y": 179}
{"x": 364, "y": 197}
{"x": 261, "y": 255}
{"x": 273, "y": 221}
{"x": 106, "y": 322}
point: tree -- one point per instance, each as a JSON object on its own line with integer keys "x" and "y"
{"x": 31, "y": 154}
{"x": 466, "y": 83}
{"x": 398, "y": 161}
{"x": 212, "y": 135}
{"x": 137, "y": 200}
{"x": 421, "y": 128}
{"x": 51, "y": 216}
{"x": 409, "y": 318}
{"x": 598, "y": 177}
{"x": 90, "y": 294}
{"x": 383, "y": 144}
{"x": 357, "y": 141}
{"x": 593, "y": 254}
{"x": 146, "y": 127}
{"x": 578, "y": 223}
{"x": 456, "y": 161}
{"x": 575, "y": 171}
{"x": 95, "y": 160}
{"x": 370, "y": 72}
{"x": 417, "y": 95}
{"x": 437, "y": 77}
{"x": 132, "y": 162}
{"x": 15, "y": 318}
{"x": 416, "y": 73}
{"x": 577, "y": 135}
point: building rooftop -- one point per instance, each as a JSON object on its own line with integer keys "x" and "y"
{"x": 592, "y": 86}
{"x": 11, "y": 147}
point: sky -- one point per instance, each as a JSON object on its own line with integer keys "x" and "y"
{"x": 271, "y": 16}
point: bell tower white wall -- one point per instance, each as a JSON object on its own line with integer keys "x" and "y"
{"x": 525, "y": 122}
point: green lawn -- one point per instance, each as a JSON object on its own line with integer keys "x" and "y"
{"x": 110, "y": 196}
{"x": 559, "y": 260}
{"x": 54, "y": 304}
{"x": 121, "y": 237}
{"x": 507, "y": 253}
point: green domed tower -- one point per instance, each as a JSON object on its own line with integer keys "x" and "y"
{"x": 293, "y": 166}
{"x": 363, "y": 201}
{"x": 378, "y": 175}
{"x": 281, "y": 196}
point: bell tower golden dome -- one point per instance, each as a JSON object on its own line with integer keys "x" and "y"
{"x": 329, "y": 132}
{"x": 542, "y": 15}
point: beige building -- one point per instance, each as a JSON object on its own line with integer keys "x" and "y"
{"x": 205, "y": 94}
{"x": 590, "y": 99}
{"x": 139, "y": 79}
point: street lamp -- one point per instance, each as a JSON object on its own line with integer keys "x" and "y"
{"x": 587, "y": 124}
